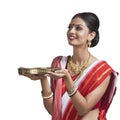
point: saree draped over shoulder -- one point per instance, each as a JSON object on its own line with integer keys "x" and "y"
{"x": 90, "y": 79}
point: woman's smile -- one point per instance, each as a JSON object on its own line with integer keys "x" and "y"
{"x": 72, "y": 37}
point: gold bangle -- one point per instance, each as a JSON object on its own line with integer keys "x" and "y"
{"x": 72, "y": 91}
{"x": 49, "y": 95}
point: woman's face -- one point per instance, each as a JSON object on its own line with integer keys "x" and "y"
{"x": 78, "y": 33}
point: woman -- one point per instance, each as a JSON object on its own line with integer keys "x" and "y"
{"x": 84, "y": 87}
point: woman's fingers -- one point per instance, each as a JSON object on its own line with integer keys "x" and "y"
{"x": 35, "y": 76}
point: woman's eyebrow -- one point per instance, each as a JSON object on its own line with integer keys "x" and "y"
{"x": 77, "y": 25}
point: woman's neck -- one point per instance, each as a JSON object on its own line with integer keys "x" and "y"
{"x": 80, "y": 55}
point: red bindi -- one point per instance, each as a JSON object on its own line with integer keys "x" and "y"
{"x": 73, "y": 24}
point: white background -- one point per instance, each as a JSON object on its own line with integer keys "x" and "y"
{"x": 32, "y": 33}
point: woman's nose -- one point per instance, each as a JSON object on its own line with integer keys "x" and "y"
{"x": 72, "y": 30}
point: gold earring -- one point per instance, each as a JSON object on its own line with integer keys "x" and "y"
{"x": 89, "y": 43}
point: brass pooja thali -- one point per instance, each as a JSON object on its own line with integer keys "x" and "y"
{"x": 36, "y": 71}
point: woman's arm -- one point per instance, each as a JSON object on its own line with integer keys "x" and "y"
{"x": 85, "y": 104}
{"x": 47, "y": 91}
{"x": 81, "y": 103}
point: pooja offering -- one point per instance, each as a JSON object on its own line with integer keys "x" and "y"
{"x": 36, "y": 71}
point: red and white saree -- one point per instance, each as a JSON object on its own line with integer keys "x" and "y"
{"x": 90, "y": 79}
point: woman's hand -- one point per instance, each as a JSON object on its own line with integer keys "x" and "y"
{"x": 36, "y": 77}
{"x": 62, "y": 73}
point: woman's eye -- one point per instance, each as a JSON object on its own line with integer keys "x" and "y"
{"x": 78, "y": 28}
{"x": 70, "y": 27}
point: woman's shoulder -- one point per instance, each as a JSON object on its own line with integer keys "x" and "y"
{"x": 97, "y": 60}
{"x": 97, "y": 63}
{"x": 60, "y": 57}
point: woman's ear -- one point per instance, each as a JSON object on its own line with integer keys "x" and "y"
{"x": 92, "y": 35}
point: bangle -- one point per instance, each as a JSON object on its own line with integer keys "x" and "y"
{"x": 72, "y": 91}
{"x": 49, "y": 95}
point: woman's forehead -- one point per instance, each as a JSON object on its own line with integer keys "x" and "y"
{"x": 78, "y": 21}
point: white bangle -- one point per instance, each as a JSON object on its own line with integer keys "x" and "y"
{"x": 47, "y": 97}
{"x": 72, "y": 91}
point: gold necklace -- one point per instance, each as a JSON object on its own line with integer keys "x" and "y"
{"x": 78, "y": 69}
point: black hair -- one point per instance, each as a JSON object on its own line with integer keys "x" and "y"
{"x": 92, "y": 22}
